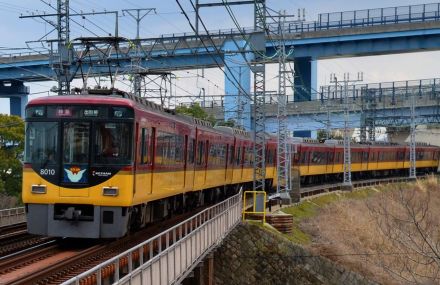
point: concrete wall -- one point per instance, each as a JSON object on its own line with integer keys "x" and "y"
{"x": 252, "y": 255}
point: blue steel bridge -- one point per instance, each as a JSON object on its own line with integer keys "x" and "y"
{"x": 341, "y": 34}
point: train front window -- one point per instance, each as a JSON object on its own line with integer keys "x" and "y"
{"x": 41, "y": 143}
{"x": 76, "y": 142}
{"x": 112, "y": 143}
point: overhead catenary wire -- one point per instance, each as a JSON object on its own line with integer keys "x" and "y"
{"x": 235, "y": 82}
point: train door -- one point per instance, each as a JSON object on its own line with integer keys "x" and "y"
{"x": 144, "y": 168}
{"x": 200, "y": 163}
{"x": 236, "y": 176}
{"x": 189, "y": 162}
{"x": 330, "y": 159}
{"x": 229, "y": 165}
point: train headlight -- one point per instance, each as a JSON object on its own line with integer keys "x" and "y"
{"x": 39, "y": 189}
{"x": 110, "y": 191}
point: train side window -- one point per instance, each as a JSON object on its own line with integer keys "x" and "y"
{"x": 315, "y": 157}
{"x": 231, "y": 154}
{"x": 178, "y": 146}
{"x": 330, "y": 156}
{"x": 145, "y": 146}
{"x": 165, "y": 151}
{"x": 200, "y": 153}
{"x": 365, "y": 156}
{"x": 191, "y": 151}
{"x": 237, "y": 158}
{"x": 270, "y": 156}
{"x": 243, "y": 155}
{"x": 304, "y": 157}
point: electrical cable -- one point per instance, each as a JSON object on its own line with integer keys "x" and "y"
{"x": 215, "y": 47}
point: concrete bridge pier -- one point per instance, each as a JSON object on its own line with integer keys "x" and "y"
{"x": 306, "y": 82}
{"x": 237, "y": 102}
{"x": 17, "y": 93}
{"x": 203, "y": 273}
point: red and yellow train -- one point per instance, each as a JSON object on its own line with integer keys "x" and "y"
{"x": 97, "y": 166}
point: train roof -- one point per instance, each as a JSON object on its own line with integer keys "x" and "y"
{"x": 82, "y": 99}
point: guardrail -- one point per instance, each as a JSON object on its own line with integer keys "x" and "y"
{"x": 12, "y": 216}
{"x": 170, "y": 256}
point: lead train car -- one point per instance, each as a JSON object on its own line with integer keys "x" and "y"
{"x": 96, "y": 166}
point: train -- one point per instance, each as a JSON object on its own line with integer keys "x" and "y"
{"x": 102, "y": 164}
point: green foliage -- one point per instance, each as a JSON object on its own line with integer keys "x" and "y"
{"x": 11, "y": 150}
{"x": 322, "y": 135}
{"x": 196, "y": 111}
{"x": 228, "y": 123}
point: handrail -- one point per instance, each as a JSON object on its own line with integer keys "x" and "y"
{"x": 12, "y": 216}
{"x": 168, "y": 257}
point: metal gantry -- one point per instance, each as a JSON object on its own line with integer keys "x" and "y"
{"x": 61, "y": 53}
{"x": 283, "y": 149}
{"x": 259, "y": 71}
{"x": 63, "y": 62}
{"x": 136, "y": 61}
{"x": 347, "y": 139}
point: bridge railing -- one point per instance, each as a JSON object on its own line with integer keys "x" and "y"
{"x": 424, "y": 88}
{"x": 12, "y": 216}
{"x": 379, "y": 16}
{"x": 326, "y": 21}
{"x": 170, "y": 256}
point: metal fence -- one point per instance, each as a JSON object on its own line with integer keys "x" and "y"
{"x": 170, "y": 256}
{"x": 424, "y": 88}
{"x": 368, "y": 17}
{"x": 12, "y": 216}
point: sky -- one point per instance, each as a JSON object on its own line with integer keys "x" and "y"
{"x": 168, "y": 19}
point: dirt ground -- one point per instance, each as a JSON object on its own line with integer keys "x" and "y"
{"x": 391, "y": 236}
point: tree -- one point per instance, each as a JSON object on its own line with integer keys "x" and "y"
{"x": 409, "y": 224}
{"x": 196, "y": 111}
{"x": 11, "y": 150}
{"x": 229, "y": 123}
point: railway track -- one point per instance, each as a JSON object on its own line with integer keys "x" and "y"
{"x": 59, "y": 261}
{"x": 14, "y": 238}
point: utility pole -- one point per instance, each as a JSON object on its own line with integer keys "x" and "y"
{"x": 283, "y": 148}
{"x": 61, "y": 59}
{"x": 412, "y": 145}
{"x": 259, "y": 70}
{"x": 347, "y": 185}
{"x": 136, "y": 61}
{"x": 62, "y": 66}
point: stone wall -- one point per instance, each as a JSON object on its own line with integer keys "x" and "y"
{"x": 253, "y": 255}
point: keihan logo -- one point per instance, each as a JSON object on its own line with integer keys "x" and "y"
{"x": 74, "y": 173}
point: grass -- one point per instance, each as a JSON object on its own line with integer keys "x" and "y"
{"x": 311, "y": 207}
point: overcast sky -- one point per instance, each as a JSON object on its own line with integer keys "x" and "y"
{"x": 14, "y": 32}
